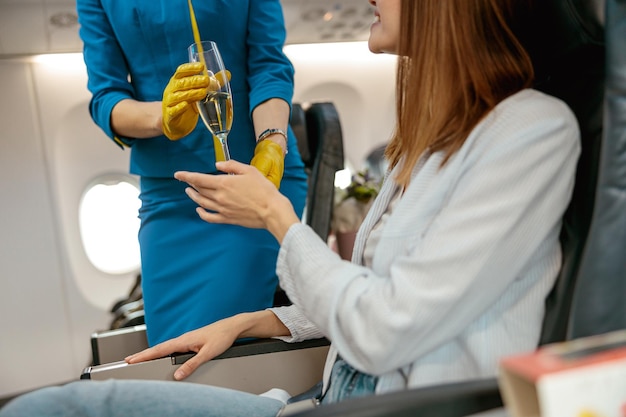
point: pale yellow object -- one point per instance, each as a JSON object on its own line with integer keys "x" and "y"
{"x": 215, "y": 83}
{"x": 587, "y": 413}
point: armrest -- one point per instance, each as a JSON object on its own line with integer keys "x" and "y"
{"x": 448, "y": 400}
{"x": 114, "y": 345}
{"x": 252, "y": 366}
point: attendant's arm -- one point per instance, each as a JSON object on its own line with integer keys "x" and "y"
{"x": 270, "y": 77}
{"x": 175, "y": 116}
{"x": 272, "y": 114}
{"x": 106, "y": 68}
{"x": 136, "y": 119}
{"x": 270, "y": 73}
{"x": 113, "y": 105}
{"x": 212, "y": 340}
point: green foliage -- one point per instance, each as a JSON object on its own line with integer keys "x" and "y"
{"x": 363, "y": 188}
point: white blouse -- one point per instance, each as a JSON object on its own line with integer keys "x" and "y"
{"x": 457, "y": 274}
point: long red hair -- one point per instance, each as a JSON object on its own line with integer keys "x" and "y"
{"x": 457, "y": 60}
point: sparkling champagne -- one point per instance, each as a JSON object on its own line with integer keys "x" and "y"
{"x": 216, "y": 110}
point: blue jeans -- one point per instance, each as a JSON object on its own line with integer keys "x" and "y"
{"x": 346, "y": 382}
{"x": 140, "y": 399}
{"x": 167, "y": 399}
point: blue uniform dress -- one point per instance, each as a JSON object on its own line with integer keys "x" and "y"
{"x": 193, "y": 272}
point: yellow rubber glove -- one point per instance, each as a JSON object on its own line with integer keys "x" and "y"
{"x": 269, "y": 159}
{"x": 219, "y": 80}
{"x": 188, "y": 85}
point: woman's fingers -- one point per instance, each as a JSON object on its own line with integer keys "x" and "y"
{"x": 242, "y": 198}
{"x": 189, "y": 366}
{"x": 158, "y": 351}
{"x": 213, "y": 217}
{"x": 232, "y": 167}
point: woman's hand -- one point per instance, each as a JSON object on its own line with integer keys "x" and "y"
{"x": 214, "y": 339}
{"x": 245, "y": 198}
{"x": 208, "y": 342}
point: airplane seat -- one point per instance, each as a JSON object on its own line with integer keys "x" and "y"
{"x": 569, "y": 55}
{"x": 601, "y": 308}
{"x": 325, "y": 143}
{"x": 297, "y": 121}
{"x": 304, "y": 360}
{"x": 578, "y": 52}
{"x": 128, "y": 311}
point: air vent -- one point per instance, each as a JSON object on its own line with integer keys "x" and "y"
{"x": 64, "y": 19}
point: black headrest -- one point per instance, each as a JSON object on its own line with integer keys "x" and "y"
{"x": 298, "y": 125}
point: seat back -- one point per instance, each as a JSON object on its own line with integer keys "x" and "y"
{"x": 324, "y": 159}
{"x": 320, "y": 142}
{"x": 598, "y": 304}
{"x": 567, "y": 46}
{"x": 297, "y": 122}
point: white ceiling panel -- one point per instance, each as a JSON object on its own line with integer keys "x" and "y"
{"x": 32, "y": 27}
{"x": 310, "y": 21}
{"x": 11, "y": 2}
{"x": 49, "y": 26}
{"x": 22, "y": 29}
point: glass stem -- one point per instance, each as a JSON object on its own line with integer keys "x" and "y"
{"x": 222, "y": 137}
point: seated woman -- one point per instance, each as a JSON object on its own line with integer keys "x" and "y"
{"x": 455, "y": 257}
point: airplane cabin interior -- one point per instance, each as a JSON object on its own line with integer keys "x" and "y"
{"x": 70, "y": 304}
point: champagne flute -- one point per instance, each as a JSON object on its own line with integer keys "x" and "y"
{"x": 216, "y": 109}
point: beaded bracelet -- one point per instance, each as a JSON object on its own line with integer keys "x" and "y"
{"x": 268, "y": 132}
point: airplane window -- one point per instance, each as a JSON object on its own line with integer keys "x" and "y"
{"x": 109, "y": 223}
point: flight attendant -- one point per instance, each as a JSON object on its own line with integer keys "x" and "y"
{"x": 193, "y": 273}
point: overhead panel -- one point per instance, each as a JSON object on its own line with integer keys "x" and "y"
{"x": 317, "y": 21}
{"x": 50, "y": 26}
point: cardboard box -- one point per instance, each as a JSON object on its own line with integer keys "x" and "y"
{"x": 581, "y": 378}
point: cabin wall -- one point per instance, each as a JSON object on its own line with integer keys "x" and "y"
{"x": 36, "y": 332}
{"x": 45, "y": 316}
